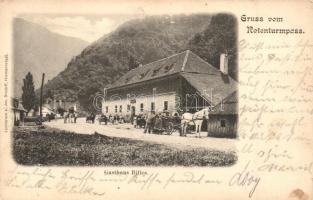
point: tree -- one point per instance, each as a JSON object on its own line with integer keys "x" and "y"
{"x": 48, "y": 94}
{"x": 219, "y": 37}
{"x": 132, "y": 63}
{"x": 86, "y": 97}
{"x": 28, "y": 96}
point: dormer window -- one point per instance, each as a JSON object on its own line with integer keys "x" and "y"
{"x": 168, "y": 68}
{"x": 142, "y": 75}
{"x": 156, "y": 71}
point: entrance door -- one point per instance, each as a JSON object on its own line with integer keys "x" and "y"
{"x": 133, "y": 111}
{"x": 132, "y": 114}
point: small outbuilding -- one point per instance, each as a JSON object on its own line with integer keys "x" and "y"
{"x": 18, "y": 111}
{"x": 223, "y": 118}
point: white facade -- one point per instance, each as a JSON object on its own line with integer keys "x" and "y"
{"x": 46, "y": 110}
{"x": 140, "y": 104}
{"x": 16, "y": 115}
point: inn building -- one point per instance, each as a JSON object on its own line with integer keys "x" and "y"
{"x": 182, "y": 81}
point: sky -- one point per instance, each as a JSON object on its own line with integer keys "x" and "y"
{"x": 85, "y": 27}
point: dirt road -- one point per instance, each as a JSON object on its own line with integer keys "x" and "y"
{"x": 128, "y": 131}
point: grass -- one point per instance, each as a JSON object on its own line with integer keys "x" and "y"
{"x": 49, "y": 146}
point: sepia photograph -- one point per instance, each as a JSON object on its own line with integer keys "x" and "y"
{"x": 116, "y": 90}
{"x": 155, "y": 100}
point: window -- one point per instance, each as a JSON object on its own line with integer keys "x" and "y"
{"x": 116, "y": 108}
{"x": 165, "y": 105}
{"x": 156, "y": 71}
{"x": 168, "y": 68}
{"x": 223, "y": 123}
{"x": 121, "y": 108}
{"x": 128, "y": 108}
{"x": 142, "y": 75}
{"x": 192, "y": 100}
{"x": 107, "y": 109}
{"x": 152, "y": 106}
{"x": 141, "y": 107}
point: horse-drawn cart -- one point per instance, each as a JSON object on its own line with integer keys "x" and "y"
{"x": 103, "y": 118}
{"x": 139, "y": 121}
{"x": 167, "y": 125}
{"x": 172, "y": 124}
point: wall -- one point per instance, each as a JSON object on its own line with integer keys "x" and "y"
{"x": 146, "y": 101}
{"x": 158, "y": 91}
{"x": 188, "y": 104}
{"x": 173, "y": 88}
{"x": 230, "y": 129}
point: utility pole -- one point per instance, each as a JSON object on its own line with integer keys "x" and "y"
{"x": 41, "y": 91}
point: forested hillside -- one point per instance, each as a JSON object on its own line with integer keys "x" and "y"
{"x": 143, "y": 41}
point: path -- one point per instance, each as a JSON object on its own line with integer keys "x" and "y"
{"x": 128, "y": 131}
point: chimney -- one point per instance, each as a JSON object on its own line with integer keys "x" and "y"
{"x": 224, "y": 63}
{"x": 105, "y": 93}
{"x": 103, "y": 103}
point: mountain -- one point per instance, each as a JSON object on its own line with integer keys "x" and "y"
{"x": 38, "y": 50}
{"x": 140, "y": 41}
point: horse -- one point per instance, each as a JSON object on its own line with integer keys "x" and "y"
{"x": 194, "y": 119}
{"x": 91, "y": 118}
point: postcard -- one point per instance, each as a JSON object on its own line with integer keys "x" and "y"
{"x": 156, "y": 100}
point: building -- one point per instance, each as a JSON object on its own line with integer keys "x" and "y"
{"x": 46, "y": 110}
{"x": 66, "y": 105}
{"x": 18, "y": 111}
{"x": 58, "y": 106}
{"x": 223, "y": 120}
{"x": 182, "y": 81}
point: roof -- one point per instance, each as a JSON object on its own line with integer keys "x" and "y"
{"x": 20, "y": 108}
{"x": 17, "y": 105}
{"x": 228, "y": 106}
{"x": 176, "y": 63}
{"x": 213, "y": 87}
{"x": 198, "y": 73}
{"x": 46, "y": 105}
{"x": 48, "y": 108}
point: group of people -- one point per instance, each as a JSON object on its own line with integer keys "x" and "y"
{"x": 70, "y": 117}
{"x": 116, "y": 119}
{"x": 156, "y": 123}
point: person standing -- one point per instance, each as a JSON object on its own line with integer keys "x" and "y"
{"x": 135, "y": 121}
{"x": 65, "y": 118}
{"x": 48, "y": 117}
{"x": 75, "y": 117}
{"x": 158, "y": 124}
{"x": 149, "y": 122}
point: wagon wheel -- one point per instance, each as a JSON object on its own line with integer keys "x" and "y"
{"x": 38, "y": 122}
{"x": 169, "y": 128}
{"x": 189, "y": 129}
